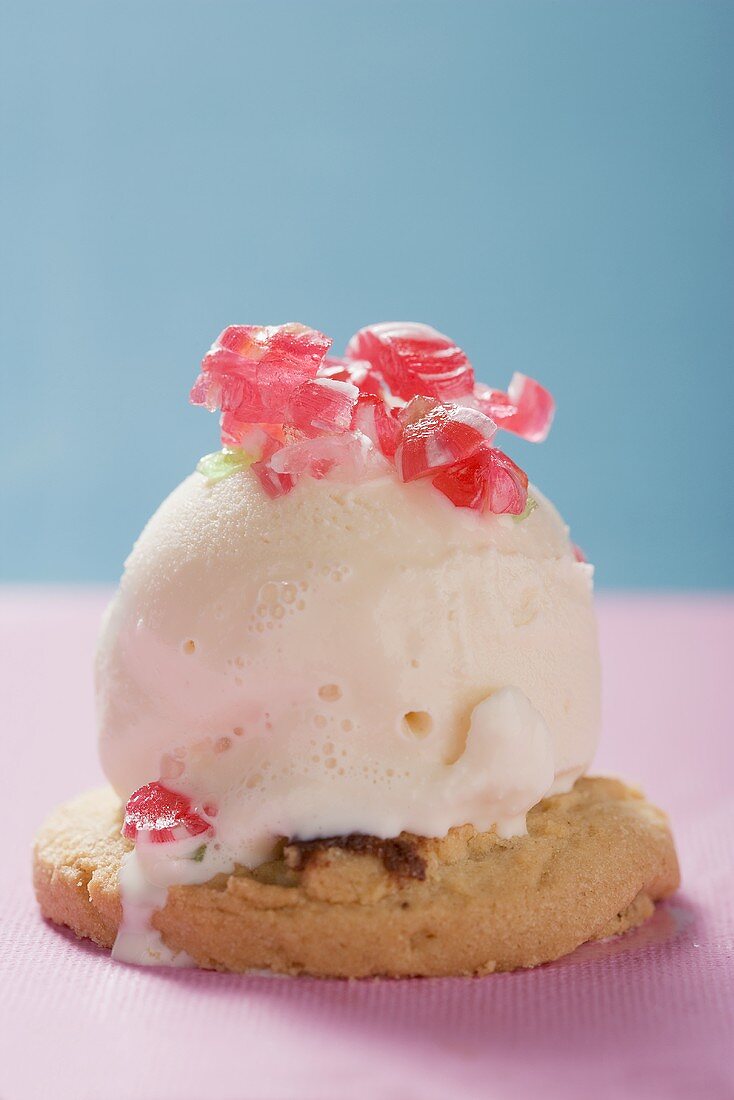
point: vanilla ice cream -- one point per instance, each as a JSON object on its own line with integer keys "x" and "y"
{"x": 352, "y": 657}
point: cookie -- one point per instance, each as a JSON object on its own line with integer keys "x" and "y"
{"x": 592, "y": 865}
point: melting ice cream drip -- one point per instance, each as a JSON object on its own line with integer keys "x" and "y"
{"x": 505, "y": 769}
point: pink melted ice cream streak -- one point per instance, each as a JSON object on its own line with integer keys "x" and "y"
{"x": 403, "y": 395}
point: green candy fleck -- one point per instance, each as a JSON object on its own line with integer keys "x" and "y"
{"x": 215, "y": 467}
{"x": 530, "y": 506}
{"x": 198, "y": 855}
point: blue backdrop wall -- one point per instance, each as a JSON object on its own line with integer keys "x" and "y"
{"x": 549, "y": 183}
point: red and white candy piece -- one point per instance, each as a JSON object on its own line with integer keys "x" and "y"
{"x": 414, "y": 360}
{"x": 356, "y": 371}
{"x": 322, "y": 405}
{"x": 256, "y": 440}
{"x": 352, "y": 453}
{"x": 160, "y": 815}
{"x": 526, "y": 409}
{"x": 251, "y": 372}
{"x": 437, "y": 436}
{"x": 380, "y": 424}
{"x": 275, "y": 483}
{"x": 488, "y": 481}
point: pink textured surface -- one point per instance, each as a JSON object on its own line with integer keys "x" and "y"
{"x": 650, "y": 1015}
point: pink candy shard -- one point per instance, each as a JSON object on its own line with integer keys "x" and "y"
{"x": 526, "y": 409}
{"x": 256, "y": 440}
{"x": 322, "y": 405}
{"x": 488, "y": 481}
{"x": 414, "y": 359}
{"x": 158, "y": 814}
{"x": 356, "y": 371}
{"x": 375, "y": 420}
{"x": 437, "y": 436}
{"x": 251, "y": 371}
{"x": 242, "y": 433}
{"x": 274, "y": 483}
{"x": 353, "y": 454}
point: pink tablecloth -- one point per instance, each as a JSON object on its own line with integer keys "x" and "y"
{"x": 650, "y": 1015}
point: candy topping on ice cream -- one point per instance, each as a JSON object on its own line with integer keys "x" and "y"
{"x": 157, "y": 814}
{"x": 404, "y": 394}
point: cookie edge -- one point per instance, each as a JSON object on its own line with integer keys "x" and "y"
{"x": 236, "y": 924}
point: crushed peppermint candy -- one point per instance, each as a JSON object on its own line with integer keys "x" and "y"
{"x": 403, "y": 397}
{"x": 322, "y": 405}
{"x": 526, "y": 409}
{"x": 274, "y": 483}
{"x": 252, "y": 371}
{"x": 414, "y": 360}
{"x": 487, "y": 480}
{"x": 439, "y": 437}
{"x": 352, "y": 370}
{"x": 378, "y": 423}
{"x": 160, "y": 815}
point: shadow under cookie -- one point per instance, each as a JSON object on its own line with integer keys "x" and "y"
{"x": 592, "y": 865}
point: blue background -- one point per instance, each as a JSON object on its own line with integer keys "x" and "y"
{"x": 549, "y": 183}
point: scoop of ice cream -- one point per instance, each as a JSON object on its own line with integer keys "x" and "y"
{"x": 348, "y": 658}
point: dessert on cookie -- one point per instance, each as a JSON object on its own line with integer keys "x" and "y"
{"x": 348, "y": 690}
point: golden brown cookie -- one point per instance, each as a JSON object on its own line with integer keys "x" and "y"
{"x": 592, "y": 865}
